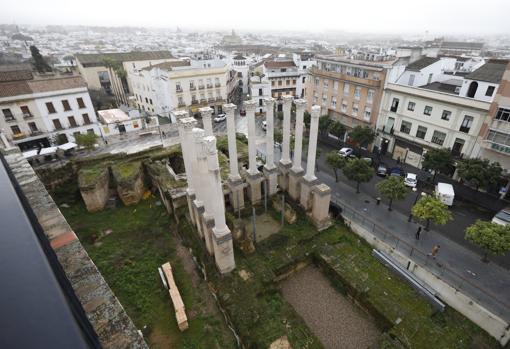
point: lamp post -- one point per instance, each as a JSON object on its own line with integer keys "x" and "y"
{"x": 418, "y": 195}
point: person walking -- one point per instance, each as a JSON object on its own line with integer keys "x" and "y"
{"x": 417, "y": 235}
{"x": 434, "y": 251}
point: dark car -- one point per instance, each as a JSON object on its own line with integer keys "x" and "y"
{"x": 397, "y": 172}
{"x": 382, "y": 170}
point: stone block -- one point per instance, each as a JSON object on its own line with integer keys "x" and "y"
{"x": 294, "y": 183}
{"x": 320, "y": 206}
{"x": 255, "y": 187}
{"x": 93, "y": 184}
{"x": 305, "y": 198}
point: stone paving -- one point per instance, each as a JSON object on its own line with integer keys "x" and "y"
{"x": 334, "y": 319}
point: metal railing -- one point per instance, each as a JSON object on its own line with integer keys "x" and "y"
{"x": 483, "y": 296}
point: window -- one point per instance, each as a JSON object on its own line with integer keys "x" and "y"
{"x": 438, "y": 137}
{"x": 355, "y": 108}
{"x": 287, "y": 82}
{"x": 335, "y": 85}
{"x": 429, "y": 80}
{"x": 26, "y": 112}
{"x": 421, "y": 132}
{"x": 370, "y": 96}
{"x": 260, "y": 92}
{"x": 324, "y": 99}
{"x": 65, "y": 104}
{"x": 72, "y": 121}
{"x": 81, "y": 104}
{"x": 394, "y": 105}
{"x": 293, "y": 81}
{"x": 283, "y": 70}
{"x": 180, "y": 101}
{"x": 150, "y": 101}
{"x": 57, "y": 124}
{"x": 490, "y": 91}
{"x": 146, "y": 100}
{"x": 411, "y": 80}
{"x": 90, "y": 131}
{"x": 8, "y": 114}
{"x": 405, "y": 127}
{"x": 86, "y": 119}
{"x": 446, "y": 115}
{"x": 279, "y": 83}
{"x": 317, "y": 80}
{"x": 326, "y": 84}
{"x": 427, "y": 110}
{"x": 260, "y": 102}
{"x": 272, "y": 83}
{"x": 357, "y": 92}
{"x": 344, "y": 107}
{"x": 367, "y": 113}
{"x": 503, "y": 114}
{"x": 178, "y": 87}
{"x": 33, "y": 127}
{"x": 346, "y": 89}
{"x": 457, "y": 146}
{"x": 192, "y": 84}
{"x": 304, "y": 78}
{"x": 466, "y": 124}
{"x": 410, "y": 106}
{"x": 50, "y": 107}
{"x": 333, "y": 102}
{"x": 375, "y": 76}
{"x": 15, "y": 130}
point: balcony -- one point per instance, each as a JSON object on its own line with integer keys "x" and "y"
{"x": 178, "y": 90}
{"x": 201, "y": 87}
{"x": 19, "y": 136}
{"x": 217, "y": 84}
{"x": 182, "y": 104}
{"x": 28, "y": 115}
{"x": 339, "y": 76}
{"x": 10, "y": 119}
{"x": 35, "y": 133}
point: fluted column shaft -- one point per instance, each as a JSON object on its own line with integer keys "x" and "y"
{"x": 229, "y": 109}
{"x": 312, "y": 143}
{"x": 287, "y": 105}
{"x": 269, "y": 103}
{"x": 252, "y": 144}
{"x": 298, "y": 135}
{"x": 206, "y": 113}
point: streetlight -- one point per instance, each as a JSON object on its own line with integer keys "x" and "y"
{"x": 422, "y": 194}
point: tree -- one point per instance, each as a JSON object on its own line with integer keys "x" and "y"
{"x": 430, "y": 209}
{"x": 278, "y": 137}
{"x": 307, "y": 118}
{"x": 490, "y": 237}
{"x": 439, "y": 160}
{"x": 478, "y": 172}
{"x": 358, "y": 170}
{"x": 324, "y": 124}
{"x": 362, "y": 135}
{"x": 336, "y": 162}
{"x": 39, "y": 62}
{"x": 337, "y": 130}
{"x": 392, "y": 188}
{"x": 87, "y": 140}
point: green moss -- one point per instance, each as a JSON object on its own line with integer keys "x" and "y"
{"x": 126, "y": 171}
{"x": 88, "y": 176}
{"x": 159, "y": 173}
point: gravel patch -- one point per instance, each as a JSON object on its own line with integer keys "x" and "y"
{"x": 335, "y": 320}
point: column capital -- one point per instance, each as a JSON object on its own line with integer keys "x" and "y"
{"x": 188, "y": 123}
{"x": 250, "y": 105}
{"x": 316, "y": 111}
{"x": 180, "y": 114}
{"x": 287, "y": 99}
{"x": 229, "y": 107}
{"x": 205, "y": 111}
{"x": 269, "y": 102}
{"x": 300, "y": 103}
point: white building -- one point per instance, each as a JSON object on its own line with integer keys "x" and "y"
{"x": 40, "y": 110}
{"x": 242, "y": 70}
{"x": 283, "y": 75}
{"x": 483, "y": 83}
{"x": 260, "y": 88}
{"x": 304, "y": 61}
{"x": 182, "y": 84}
{"x": 116, "y": 122}
{"x": 426, "y": 70}
{"x": 413, "y": 120}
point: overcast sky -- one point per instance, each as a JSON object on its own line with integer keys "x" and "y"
{"x": 367, "y": 16}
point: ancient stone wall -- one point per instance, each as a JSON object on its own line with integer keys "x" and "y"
{"x": 93, "y": 183}
{"x": 129, "y": 180}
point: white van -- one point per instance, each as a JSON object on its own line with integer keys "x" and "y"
{"x": 445, "y": 193}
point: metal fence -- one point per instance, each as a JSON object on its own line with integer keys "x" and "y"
{"x": 483, "y": 296}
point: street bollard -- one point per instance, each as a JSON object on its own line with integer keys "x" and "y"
{"x": 378, "y": 200}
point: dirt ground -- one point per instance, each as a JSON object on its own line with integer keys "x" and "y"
{"x": 334, "y": 319}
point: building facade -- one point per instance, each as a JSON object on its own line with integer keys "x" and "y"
{"x": 348, "y": 90}
{"x": 40, "y": 110}
{"x": 260, "y": 89}
{"x": 283, "y": 75}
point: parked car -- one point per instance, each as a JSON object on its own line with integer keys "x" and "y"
{"x": 502, "y": 217}
{"x": 220, "y": 118}
{"x": 264, "y": 125}
{"x": 397, "y": 171}
{"x": 242, "y": 112}
{"x": 444, "y": 192}
{"x": 411, "y": 180}
{"x": 382, "y": 170}
{"x": 345, "y": 152}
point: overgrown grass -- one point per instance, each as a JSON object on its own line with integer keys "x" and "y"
{"x": 128, "y": 258}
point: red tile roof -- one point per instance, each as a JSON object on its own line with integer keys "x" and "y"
{"x": 279, "y": 64}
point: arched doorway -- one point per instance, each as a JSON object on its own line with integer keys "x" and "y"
{"x": 472, "y": 89}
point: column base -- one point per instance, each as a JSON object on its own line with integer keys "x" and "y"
{"x": 236, "y": 195}
{"x": 294, "y": 185}
{"x": 223, "y": 250}
{"x": 208, "y": 226}
{"x": 320, "y": 206}
{"x": 254, "y": 187}
{"x": 305, "y": 198}
{"x": 272, "y": 180}
{"x": 283, "y": 178}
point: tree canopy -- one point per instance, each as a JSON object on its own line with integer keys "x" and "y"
{"x": 392, "y": 188}
{"x": 40, "y": 63}
{"x": 362, "y": 135}
{"x": 439, "y": 160}
{"x": 492, "y": 238}
{"x": 478, "y": 172}
{"x": 430, "y": 209}
{"x": 358, "y": 170}
{"x": 86, "y": 140}
{"x": 336, "y": 162}
{"x": 337, "y": 129}
{"x": 324, "y": 124}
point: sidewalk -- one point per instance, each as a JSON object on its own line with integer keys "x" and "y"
{"x": 489, "y": 278}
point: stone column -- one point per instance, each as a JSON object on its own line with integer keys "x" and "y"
{"x": 270, "y": 170}
{"x": 296, "y": 172}
{"x": 285, "y": 162}
{"x": 206, "y": 210}
{"x": 185, "y": 126}
{"x": 221, "y": 237}
{"x": 309, "y": 180}
{"x": 254, "y": 177}
{"x": 320, "y": 206}
{"x": 235, "y": 183}
{"x": 206, "y": 113}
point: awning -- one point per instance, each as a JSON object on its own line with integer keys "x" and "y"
{"x": 67, "y": 146}
{"x": 50, "y": 150}
{"x": 30, "y": 153}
